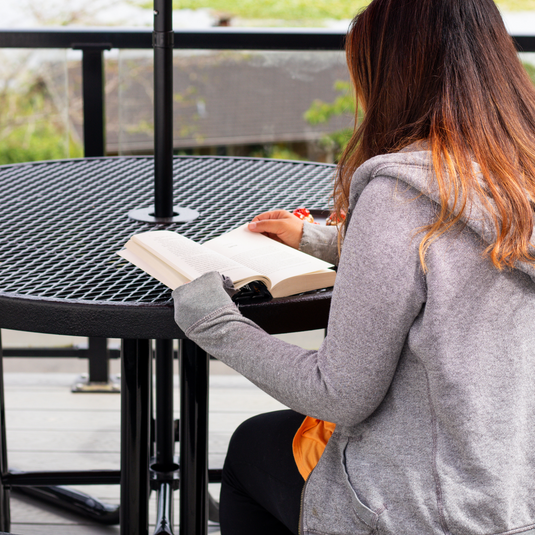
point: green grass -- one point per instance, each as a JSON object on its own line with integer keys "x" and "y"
{"x": 294, "y": 10}
{"x": 305, "y": 10}
{"x": 516, "y": 5}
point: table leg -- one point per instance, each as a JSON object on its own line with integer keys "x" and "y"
{"x": 164, "y": 517}
{"x": 193, "y": 439}
{"x": 164, "y": 421}
{"x": 164, "y": 468}
{"x": 135, "y": 381}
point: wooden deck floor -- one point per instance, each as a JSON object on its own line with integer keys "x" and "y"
{"x": 51, "y": 428}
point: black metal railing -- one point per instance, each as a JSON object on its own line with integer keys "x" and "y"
{"x": 93, "y": 43}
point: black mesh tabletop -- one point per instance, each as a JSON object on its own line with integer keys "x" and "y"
{"x": 62, "y": 223}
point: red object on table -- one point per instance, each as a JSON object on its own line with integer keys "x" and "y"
{"x": 304, "y": 214}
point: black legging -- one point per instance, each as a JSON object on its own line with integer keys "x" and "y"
{"x": 261, "y": 487}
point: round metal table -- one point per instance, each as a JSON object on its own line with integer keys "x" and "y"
{"x": 61, "y": 225}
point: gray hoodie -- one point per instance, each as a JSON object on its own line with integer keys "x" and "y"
{"x": 430, "y": 378}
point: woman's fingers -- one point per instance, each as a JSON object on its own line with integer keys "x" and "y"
{"x": 271, "y": 226}
{"x": 274, "y": 214}
{"x": 279, "y": 225}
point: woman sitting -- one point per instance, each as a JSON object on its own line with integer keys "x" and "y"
{"x": 427, "y": 373}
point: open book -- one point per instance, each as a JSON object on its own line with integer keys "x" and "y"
{"x": 241, "y": 255}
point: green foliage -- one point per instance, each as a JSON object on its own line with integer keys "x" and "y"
{"x": 516, "y": 5}
{"x": 304, "y": 10}
{"x": 279, "y": 9}
{"x": 530, "y": 70}
{"x": 277, "y": 152}
{"x": 300, "y": 10}
{"x": 336, "y": 142}
{"x": 43, "y": 147}
{"x": 30, "y": 128}
{"x": 321, "y": 112}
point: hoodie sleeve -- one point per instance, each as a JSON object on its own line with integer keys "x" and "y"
{"x": 379, "y": 291}
{"x": 321, "y": 242}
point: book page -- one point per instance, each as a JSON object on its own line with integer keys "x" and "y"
{"x": 304, "y": 283}
{"x": 191, "y": 259}
{"x": 269, "y": 257}
{"x": 154, "y": 267}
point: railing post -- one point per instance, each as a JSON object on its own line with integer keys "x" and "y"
{"x": 93, "y": 98}
{"x": 98, "y": 379}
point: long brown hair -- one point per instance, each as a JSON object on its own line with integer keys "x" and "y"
{"x": 447, "y": 72}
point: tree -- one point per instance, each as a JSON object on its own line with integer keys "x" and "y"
{"x": 321, "y": 112}
{"x": 31, "y": 127}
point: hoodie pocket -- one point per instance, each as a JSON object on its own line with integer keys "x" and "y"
{"x": 364, "y": 513}
{"x": 331, "y": 504}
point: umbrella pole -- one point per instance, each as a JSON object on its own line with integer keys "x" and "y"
{"x": 162, "y": 41}
{"x": 163, "y": 210}
{"x": 163, "y": 108}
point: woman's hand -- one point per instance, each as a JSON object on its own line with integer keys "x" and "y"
{"x": 279, "y": 225}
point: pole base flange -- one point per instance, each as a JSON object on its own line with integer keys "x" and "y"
{"x": 180, "y": 215}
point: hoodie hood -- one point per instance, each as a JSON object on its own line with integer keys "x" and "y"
{"x": 415, "y": 168}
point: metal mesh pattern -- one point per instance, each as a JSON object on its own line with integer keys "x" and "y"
{"x": 62, "y": 222}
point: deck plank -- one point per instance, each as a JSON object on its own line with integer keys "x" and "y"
{"x": 51, "y": 428}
